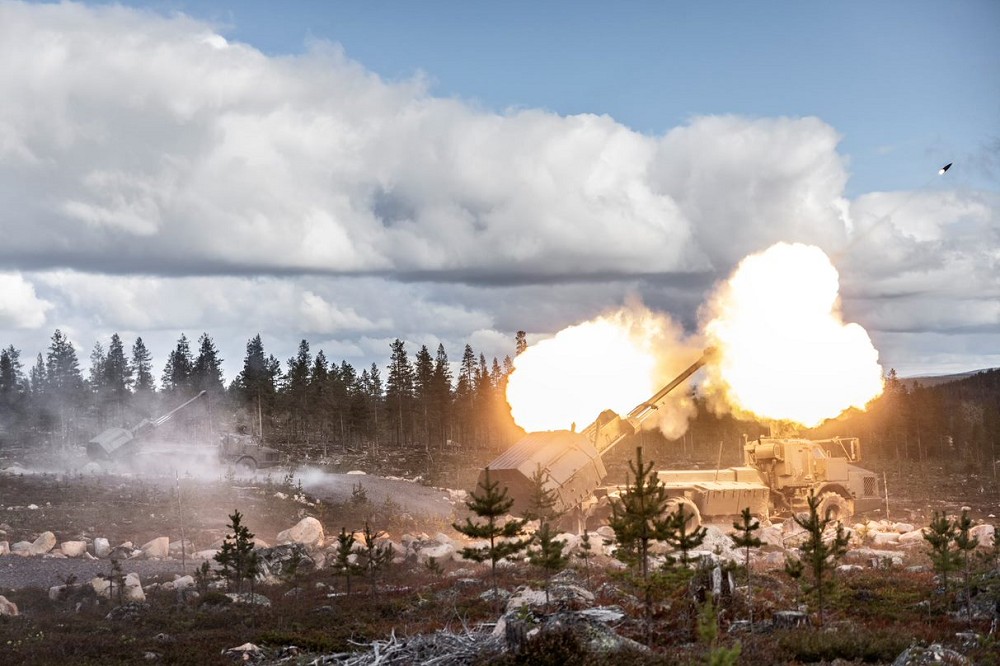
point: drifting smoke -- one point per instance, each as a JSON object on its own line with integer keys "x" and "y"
{"x": 615, "y": 361}
{"x": 783, "y": 353}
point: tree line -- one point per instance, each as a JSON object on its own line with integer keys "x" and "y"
{"x": 417, "y": 401}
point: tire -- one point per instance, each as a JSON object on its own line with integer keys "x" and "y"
{"x": 247, "y": 465}
{"x": 690, "y": 509}
{"x": 834, "y": 507}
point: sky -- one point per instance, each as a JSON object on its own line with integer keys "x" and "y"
{"x": 451, "y": 172}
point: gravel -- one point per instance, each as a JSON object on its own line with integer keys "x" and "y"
{"x": 44, "y": 572}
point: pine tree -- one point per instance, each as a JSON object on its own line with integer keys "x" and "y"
{"x": 679, "y": 538}
{"x": 940, "y": 535}
{"x": 423, "y": 390}
{"x": 177, "y": 371}
{"x": 491, "y": 504}
{"x": 117, "y": 373}
{"x": 206, "y": 371}
{"x": 376, "y": 556}
{"x": 585, "y": 553}
{"x": 542, "y": 499}
{"x": 744, "y": 537}
{"x": 965, "y": 543}
{"x": 237, "y": 558}
{"x": 639, "y": 516}
{"x": 295, "y": 391}
{"x": 441, "y": 395}
{"x": 342, "y": 563}
{"x": 520, "y": 342}
{"x": 548, "y": 556}
{"x": 820, "y": 556}
{"x": 399, "y": 392}
{"x": 142, "y": 365}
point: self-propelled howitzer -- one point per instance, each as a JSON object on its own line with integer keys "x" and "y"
{"x": 118, "y": 443}
{"x": 572, "y": 461}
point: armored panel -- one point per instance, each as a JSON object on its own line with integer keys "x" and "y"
{"x": 573, "y": 468}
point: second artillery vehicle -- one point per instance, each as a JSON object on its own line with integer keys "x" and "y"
{"x": 129, "y": 444}
{"x": 777, "y": 474}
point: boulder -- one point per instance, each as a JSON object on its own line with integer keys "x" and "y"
{"x": 158, "y": 548}
{"x": 984, "y": 533}
{"x": 204, "y": 555}
{"x": 917, "y": 655}
{"x": 73, "y": 548}
{"x": 4, "y": 548}
{"x": 102, "y": 586}
{"x": 102, "y": 547}
{"x": 7, "y": 608}
{"x": 247, "y": 652}
{"x": 247, "y": 599}
{"x": 45, "y": 542}
{"x": 308, "y": 532}
{"x": 133, "y": 588}
{"x": 885, "y": 538}
{"x": 183, "y": 548}
{"x": 911, "y": 539}
{"x": 902, "y": 528}
{"x": 278, "y": 562}
{"x": 22, "y": 548}
{"x": 441, "y": 553}
{"x": 183, "y": 582}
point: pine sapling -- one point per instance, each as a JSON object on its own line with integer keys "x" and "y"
{"x": 820, "y": 556}
{"x": 542, "y": 500}
{"x": 342, "y": 564}
{"x": 584, "y": 553}
{"x": 490, "y": 504}
{"x": 744, "y": 537}
{"x": 377, "y": 556}
{"x": 680, "y": 539}
{"x": 548, "y": 556}
{"x": 965, "y": 543}
{"x": 940, "y": 535}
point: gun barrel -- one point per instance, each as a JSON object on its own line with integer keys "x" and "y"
{"x": 642, "y": 411}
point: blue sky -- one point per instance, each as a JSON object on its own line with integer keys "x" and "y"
{"x": 451, "y": 172}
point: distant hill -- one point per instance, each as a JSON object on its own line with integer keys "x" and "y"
{"x": 936, "y": 380}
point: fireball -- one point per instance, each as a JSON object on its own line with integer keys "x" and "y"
{"x": 783, "y": 350}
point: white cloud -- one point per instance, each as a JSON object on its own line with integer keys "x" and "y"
{"x": 303, "y": 196}
{"x": 20, "y": 307}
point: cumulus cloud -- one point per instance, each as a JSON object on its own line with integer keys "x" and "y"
{"x": 136, "y": 142}
{"x": 157, "y": 178}
{"x": 20, "y": 307}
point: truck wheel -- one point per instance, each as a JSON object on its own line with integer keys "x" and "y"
{"x": 690, "y": 509}
{"x": 247, "y": 465}
{"x": 834, "y": 507}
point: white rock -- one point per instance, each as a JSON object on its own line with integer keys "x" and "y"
{"x": 605, "y": 532}
{"x": 91, "y": 469}
{"x": 441, "y": 553}
{"x": 4, "y": 548}
{"x": 22, "y": 548}
{"x": 884, "y": 538}
{"x": 102, "y": 547}
{"x": 357, "y": 472}
{"x": 902, "y": 528}
{"x": 984, "y": 533}
{"x": 570, "y": 542}
{"x": 8, "y": 608}
{"x": 772, "y": 536}
{"x": 158, "y": 548}
{"x": 911, "y": 538}
{"x": 133, "y": 588}
{"x": 441, "y": 537}
{"x": 183, "y": 582}
{"x": 102, "y": 586}
{"x": 73, "y": 548}
{"x": 45, "y": 542}
{"x": 204, "y": 554}
{"x": 847, "y": 568}
{"x": 308, "y": 532}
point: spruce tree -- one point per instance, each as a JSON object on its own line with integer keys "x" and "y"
{"x": 744, "y": 537}
{"x": 377, "y": 556}
{"x": 237, "y": 556}
{"x": 542, "y": 500}
{"x": 940, "y": 535}
{"x": 965, "y": 543}
{"x": 142, "y": 365}
{"x": 342, "y": 564}
{"x": 638, "y": 517}
{"x": 585, "y": 553}
{"x": 679, "y": 538}
{"x": 491, "y": 504}
{"x": 820, "y": 556}
{"x": 548, "y": 556}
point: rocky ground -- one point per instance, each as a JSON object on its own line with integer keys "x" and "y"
{"x": 60, "y": 531}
